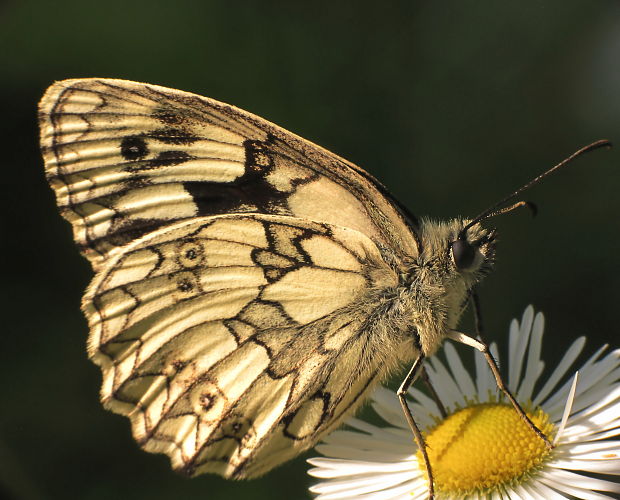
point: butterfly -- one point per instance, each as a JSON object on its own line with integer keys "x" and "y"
{"x": 251, "y": 288}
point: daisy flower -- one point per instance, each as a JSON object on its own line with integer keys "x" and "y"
{"x": 481, "y": 449}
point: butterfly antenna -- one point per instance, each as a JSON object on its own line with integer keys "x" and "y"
{"x": 497, "y": 208}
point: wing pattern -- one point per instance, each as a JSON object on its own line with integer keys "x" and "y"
{"x": 234, "y": 342}
{"x": 246, "y": 279}
{"x": 127, "y": 158}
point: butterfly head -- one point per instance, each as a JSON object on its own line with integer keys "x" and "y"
{"x": 456, "y": 252}
{"x": 473, "y": 249}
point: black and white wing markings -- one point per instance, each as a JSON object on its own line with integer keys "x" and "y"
{"x": 234, "y": 342}
{"x": 127, "y": 158}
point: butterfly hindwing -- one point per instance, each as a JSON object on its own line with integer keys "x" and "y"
{"x": 234, "y": 342}
{"x": 127, "y": 158}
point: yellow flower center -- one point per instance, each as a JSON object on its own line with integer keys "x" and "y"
{"x": 483, "y": 446}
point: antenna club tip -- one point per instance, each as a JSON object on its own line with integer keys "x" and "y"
{"x": 601, "y": 143}
{"x": 533, "y": 208}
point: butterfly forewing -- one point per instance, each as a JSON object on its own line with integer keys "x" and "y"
{"x": 234, "y": 342}
{"x": 127, "y": 158}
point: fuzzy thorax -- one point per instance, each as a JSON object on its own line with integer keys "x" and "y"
{"x": 437, "y": 290}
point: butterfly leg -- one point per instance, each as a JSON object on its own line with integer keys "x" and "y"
{"x": 484, "y": 349}
{"x": 415, "y": 370}
{"x": 475, "y": 300}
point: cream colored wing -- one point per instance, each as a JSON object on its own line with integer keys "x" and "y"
{"x": 234, "y": 342}
{"x": 127, "y": 158}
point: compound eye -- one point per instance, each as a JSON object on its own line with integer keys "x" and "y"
{"x": 463, "y": 254}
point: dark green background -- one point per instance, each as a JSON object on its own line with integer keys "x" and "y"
{"x": 451, "y": 104}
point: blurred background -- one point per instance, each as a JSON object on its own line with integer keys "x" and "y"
{"x": 451, "y": 104}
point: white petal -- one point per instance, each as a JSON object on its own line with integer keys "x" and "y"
{"x": 444, "y": 384}
{"x": 603, "y": 466}
{"x": 576, "y": 484}
{"x": 604, "y": 447}
{"x": 574, "y": 492}
{"x": 597, "y": 354}
{"x": 484, "y": 379}
{"x": 585, "y": 396}
{"x": 382, "y": 440}
{"x": 361, "y": 425}
{"x": 534, "y": 366}
{"x": 420, "y": 490}
{"x": 591, "y": 387}
{"x": 567, "y": 360}
{"x": 606, "y": 409}
{"x": 459, "y": 373}
{"x": 421, "y": 415}
{"x": 594, "y": 372}
{"x": 520, "y": 493}
{"x": 599, "y": 376}
{"x": 598, "y": 370}
{"x": 570, "y": 400}
{"x": 404, "y": 491}
{"x": 327, "y": 468}
{"x": 394, "y": 454}
{"x": 513, "y": 340}
{"x": 425, "y": 401}
{"x": 517, "y": 353}
{"x": 361, "y": 485}
{"x": 542, "y": 491}
{"x": 596, "y": 436}
{"x": 385, "y": 404}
